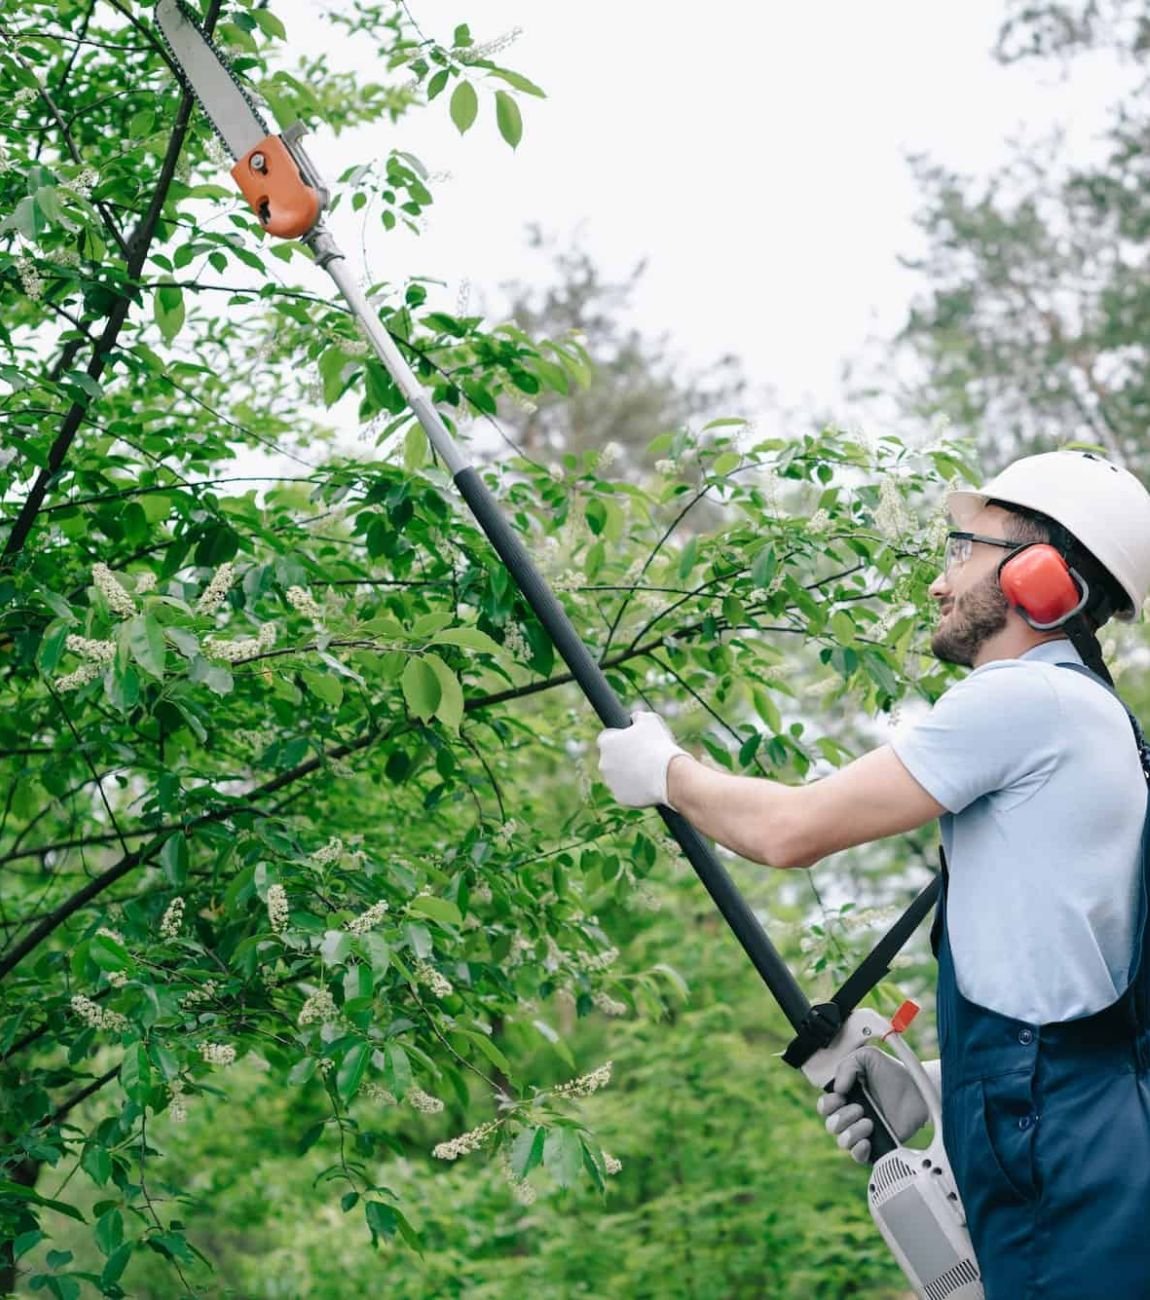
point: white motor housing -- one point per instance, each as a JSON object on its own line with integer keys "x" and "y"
{"x": 912, "y": 1195}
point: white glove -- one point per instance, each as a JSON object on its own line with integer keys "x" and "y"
{"x": 633, "y": 760}
{"x": 891, "y": 1088}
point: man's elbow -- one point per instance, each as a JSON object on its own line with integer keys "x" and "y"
{"x": 787, "y": 847}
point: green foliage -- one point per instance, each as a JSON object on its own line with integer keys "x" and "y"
{"x": 296, "y": 794}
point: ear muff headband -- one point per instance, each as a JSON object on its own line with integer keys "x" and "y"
{"x": 1044, "y": 589}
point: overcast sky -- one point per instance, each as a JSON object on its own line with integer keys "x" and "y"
{"x": 753, "y": 154}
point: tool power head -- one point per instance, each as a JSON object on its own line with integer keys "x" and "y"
{"x": 273, "y": 172}
{"x": 912, "y": 1193}
{"x": 915, "y": 1205}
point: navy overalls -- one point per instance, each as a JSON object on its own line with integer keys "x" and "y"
{"x": 1047, "y": 1128}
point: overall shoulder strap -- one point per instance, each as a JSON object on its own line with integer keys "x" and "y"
{"x": 1143, "y": 751}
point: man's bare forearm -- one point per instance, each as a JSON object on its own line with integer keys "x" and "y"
{"x": 746, "y": 814}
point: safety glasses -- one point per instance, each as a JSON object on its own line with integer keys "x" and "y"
{"x": 960, "y": 544}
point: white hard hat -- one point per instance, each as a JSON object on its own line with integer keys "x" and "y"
{"x": 1100, "y": 504}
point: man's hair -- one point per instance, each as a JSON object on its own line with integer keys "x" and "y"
{"x": 1106, "y": 596}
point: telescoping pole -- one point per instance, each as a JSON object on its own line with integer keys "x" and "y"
{"x": 738, "y": 915}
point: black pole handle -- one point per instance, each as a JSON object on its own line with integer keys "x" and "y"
{"x": 734, "y": 908}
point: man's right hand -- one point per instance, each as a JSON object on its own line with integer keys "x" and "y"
{"x": 891, "y": 1089}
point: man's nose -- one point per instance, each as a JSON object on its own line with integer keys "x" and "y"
{"x": 939, "y": 589}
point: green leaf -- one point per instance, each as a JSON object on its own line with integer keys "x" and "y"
{"x": 449, "y": 710}
{"x": 519, "y": 81}
{"x": 109, "y": 1231}
{"x": 397, "y": 1075}
{"x": 168, "y": 306}
{"x": 464, "y": 106}
{"x": 324, "y": 687}
{"x": 508, "y": 117}
{"x": 527, "y": 1151}
{"x": 146, "y": 642}
{"x": 421, "y": 688}
{"x": 336, "y": 947}
{"x": 136, "y": 1073}
{"x": 174, "y": 859}
{"x": 114, "y": 1268}
{"x": 763, "y": 567}
{"x": 687, "y": 558}
{"x": 488, "y": 1048}
{"x": 108, "y": 953}
{"x": 467, "y": 638}
{"x": 382, "y": 1219}
{"x": 563, "y": 1156}
{"x": 27, "y": 1194}
{"x": 351, "y": 1070}
{"x": 439, "y": 909}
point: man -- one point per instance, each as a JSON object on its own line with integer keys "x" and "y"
{"x": 1036, "y": 774}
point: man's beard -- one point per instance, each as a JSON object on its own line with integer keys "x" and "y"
{"x": 975, "y": 616}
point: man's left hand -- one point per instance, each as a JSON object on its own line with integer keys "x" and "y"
{"x": 633, "y": 761}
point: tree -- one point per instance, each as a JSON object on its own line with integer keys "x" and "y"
{"x": 1032, "y": 328}
{"x": 639, "y": 390}
{"x": 288, "y": 771}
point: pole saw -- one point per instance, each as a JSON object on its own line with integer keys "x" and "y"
{"x": 911, "y": 1192}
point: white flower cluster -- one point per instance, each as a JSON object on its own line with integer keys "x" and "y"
{"x": 505, "y": 832}
{"x": 217, "y": 154}
{"x": 819, "y": 522}
{"x": 469, "y": 53}
{"x": 666, "y": 467}
{"x": 81, "y": 185}
{"x": 145, "y": 582}
{"x": 481, "y": 893}
{"x": 96, "y": 1016}
{"x": 521, "y": 948}
{"x": 277, "y": 907}
{"x": 204, "y": 993}
{"x": 596, "y": 961}
{"x": 463, "y": 297}
{"x": 367, "y": 920}
{"x": 377, "y": 1092}
{"x": 609, "y": 455}
{"x": 172, "y": 919}
{"x": 176, "y": 1108}
{"x": 24, "y": 94}
{"x": 423, "y": 1101}
{"x": 119, "y": 602}
{"x": 30, "y": 279}
{"x": 515, "y": 643}
{"x": 303, "y": 603}
{"x": 326, "y": 1065}
{"x": 610, "y": 1164}
{"x": 607, "y": 1004}
{"x": 319, "y": 1007}
{"x": 109, "y": 933}
{"x": 246, "y": 648}
{"x": 585, "y": 1084}
{"x": 116, "y": 978}
{"x": 332, "y": 851}
{"x": 427, "y": 975}
{"x": 465, "y": 1143}
{"x": 212, "y": 597}
{"x": 524, "y": 1192}
{"x": 218, "y": 1053}
{"x": 890, "y": 517}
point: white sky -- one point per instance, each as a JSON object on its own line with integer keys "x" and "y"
{"x": 753, "y": 154}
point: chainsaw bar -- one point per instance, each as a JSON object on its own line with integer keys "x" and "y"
{"x": 209, "y": 78}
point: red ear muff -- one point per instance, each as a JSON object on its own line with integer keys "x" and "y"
{"x": 1040, "y": 584}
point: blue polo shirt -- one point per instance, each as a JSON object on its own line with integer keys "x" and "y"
{"x": 1039, "y": 771}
